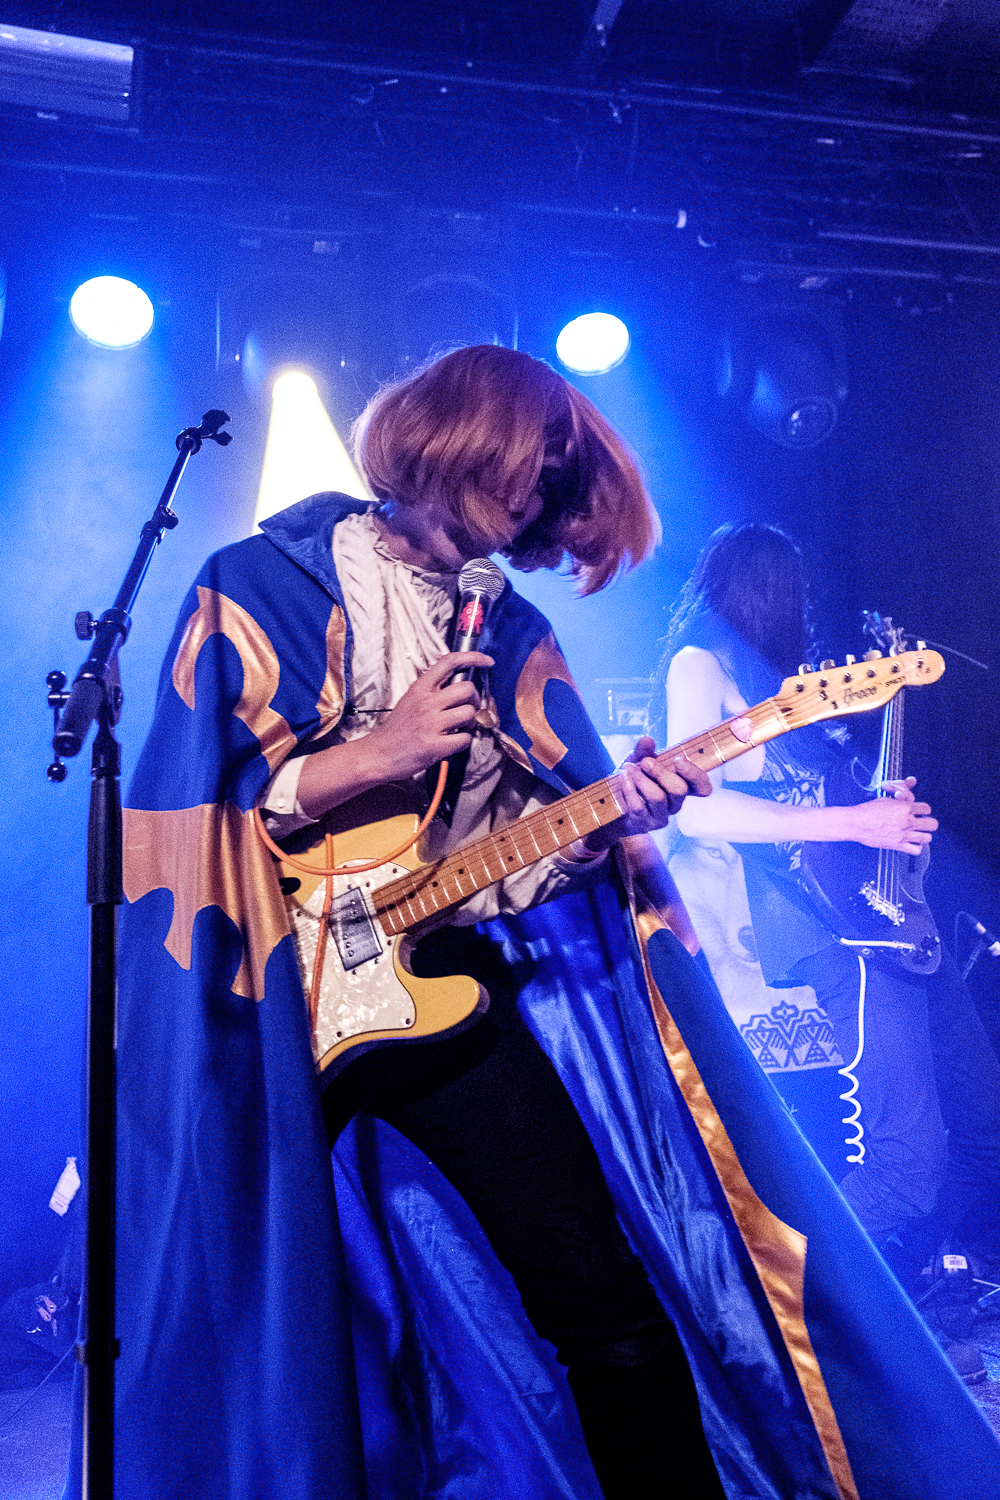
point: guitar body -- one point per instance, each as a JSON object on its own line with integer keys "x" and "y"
{"x": 377, "y": 999}
{"x": 842, "y": 880}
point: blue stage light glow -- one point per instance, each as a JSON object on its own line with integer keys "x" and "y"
{"x": 593, "y": 343}
{"x": 111, "y": 312}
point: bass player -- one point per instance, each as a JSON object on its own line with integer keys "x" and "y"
{"x": 927, "y": 1154}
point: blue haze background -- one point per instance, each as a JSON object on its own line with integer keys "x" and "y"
{"x": 898, "y": 511}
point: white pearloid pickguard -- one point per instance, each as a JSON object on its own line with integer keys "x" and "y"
{"x": 368, "y": 998}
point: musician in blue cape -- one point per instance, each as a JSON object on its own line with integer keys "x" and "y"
{"x": 921, "y": 1164}
{"x": 554, "y": 1255}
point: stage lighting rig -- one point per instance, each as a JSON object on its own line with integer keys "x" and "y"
{"x": 781, "y": 367}
{"x": 44, "y": 71}
{"x": 448, "y": 309}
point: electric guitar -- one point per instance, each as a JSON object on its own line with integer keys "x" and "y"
{"x": 874, "y": 898}
{"x": 367, "y": 992}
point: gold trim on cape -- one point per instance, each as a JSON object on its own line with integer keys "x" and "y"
{"x": 333, "y": 694}
{"x": 778, "y": 1251}
{"x": 211, "y": 855}
{"x": 653, "y": 889}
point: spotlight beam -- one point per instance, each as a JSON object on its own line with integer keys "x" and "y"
{"x": 304, "y": 453}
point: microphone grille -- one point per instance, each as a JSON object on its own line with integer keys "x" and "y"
{"x": 480, "y": 576}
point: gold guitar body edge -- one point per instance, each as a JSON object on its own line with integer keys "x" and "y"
{"x": 439, "y": 1006}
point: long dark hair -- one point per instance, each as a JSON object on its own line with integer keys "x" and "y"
{"x": 747, "y": 602}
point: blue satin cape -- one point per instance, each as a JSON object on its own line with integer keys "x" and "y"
{"x": 290, "y": 1332}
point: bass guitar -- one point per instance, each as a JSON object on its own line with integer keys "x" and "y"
{"x": 874, "y": 898}
{"x": 367, "y": 992}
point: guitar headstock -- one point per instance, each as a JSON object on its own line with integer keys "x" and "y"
{"x": 829, "y": 691}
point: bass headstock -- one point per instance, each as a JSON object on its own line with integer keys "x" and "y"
{"x": 884, "y": 633}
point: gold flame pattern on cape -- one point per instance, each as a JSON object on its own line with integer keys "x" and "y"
{"x": 544, "y": 665}
{"x": 217, "y": 614}
{"x": 210, "y": 855}
{"x": 778, "y": 1251}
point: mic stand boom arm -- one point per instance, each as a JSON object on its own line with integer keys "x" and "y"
{"x": 96, "y": 694}
{"x": 111, "y": 630}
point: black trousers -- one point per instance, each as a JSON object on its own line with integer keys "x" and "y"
{"x": 490, "y": 1111}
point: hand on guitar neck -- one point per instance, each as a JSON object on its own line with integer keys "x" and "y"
{"x": 653, "y": 793}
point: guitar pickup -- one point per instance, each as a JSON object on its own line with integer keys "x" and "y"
{"x": 352, "y": 922}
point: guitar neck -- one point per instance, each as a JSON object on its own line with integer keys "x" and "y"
{"x": 891, "y": 758}
{"x": 403, "y": 903}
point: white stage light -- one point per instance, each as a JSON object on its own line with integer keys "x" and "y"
{"x": 593, "y": 343}
{"x": 304, "y": 451}
{"x": 111, "y": 312}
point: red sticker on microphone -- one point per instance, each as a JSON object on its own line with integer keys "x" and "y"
{"x": 470, "y": 621}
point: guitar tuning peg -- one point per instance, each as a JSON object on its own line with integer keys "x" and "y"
{"x": 849, "y": 661}
{"x": 872, "y": 656}
{"x": 804, "y": 668}
{"x": 921, "y": 645}
{"x": 827, "y": 666}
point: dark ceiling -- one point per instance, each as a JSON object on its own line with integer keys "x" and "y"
{"x": 816, "y": 142}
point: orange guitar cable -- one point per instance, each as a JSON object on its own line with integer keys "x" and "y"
{"x": 353, "y": 869}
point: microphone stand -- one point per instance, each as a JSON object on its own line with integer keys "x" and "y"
{"x": 96, "y": 694}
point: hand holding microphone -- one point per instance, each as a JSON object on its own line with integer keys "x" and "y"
{"x": 480, "y": 585}
{"x": 433, "y": 720}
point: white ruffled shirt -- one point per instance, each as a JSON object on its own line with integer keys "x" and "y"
{"x": 400, "y": 616}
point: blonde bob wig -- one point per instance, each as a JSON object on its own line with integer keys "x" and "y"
{"x": 484, "y": 427}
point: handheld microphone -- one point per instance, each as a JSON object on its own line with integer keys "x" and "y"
{"x": 480, "y": 585}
